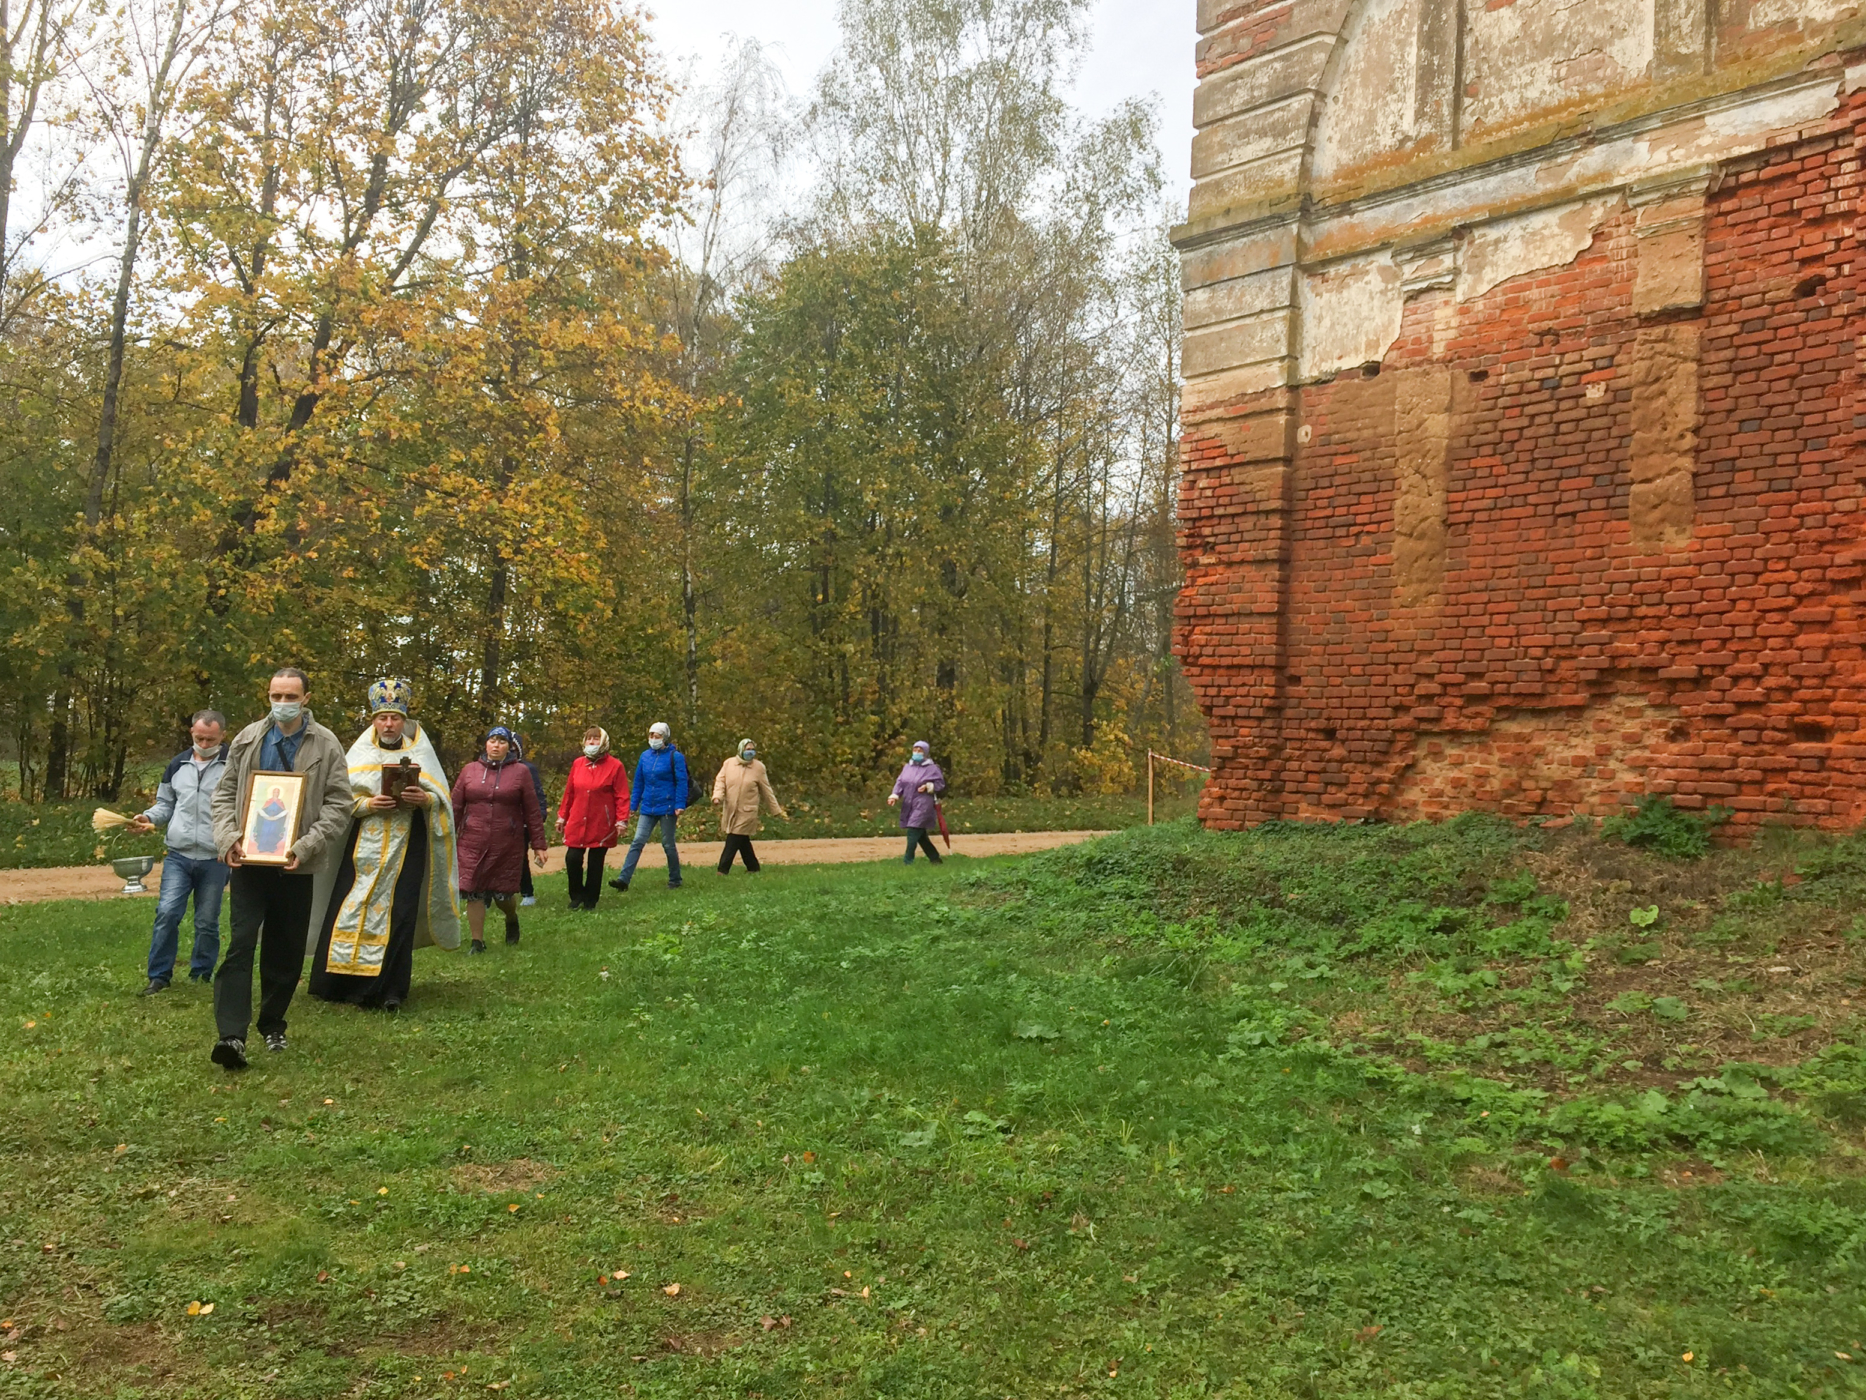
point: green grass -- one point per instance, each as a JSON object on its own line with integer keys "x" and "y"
{"x": 992, "y": 1129}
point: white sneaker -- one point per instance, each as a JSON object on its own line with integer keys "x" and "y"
{"x": 527, "y": 901}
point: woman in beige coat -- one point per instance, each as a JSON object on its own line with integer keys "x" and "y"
{"x": 739, "y": 791}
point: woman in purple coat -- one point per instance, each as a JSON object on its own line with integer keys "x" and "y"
{"x": 497, "y": 814}
{"x": 917, "y": 790}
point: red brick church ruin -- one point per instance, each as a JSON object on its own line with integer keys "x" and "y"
{"x": 1522, "y": 420}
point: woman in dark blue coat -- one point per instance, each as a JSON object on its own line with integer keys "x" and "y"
{"x": 657, "y": 797}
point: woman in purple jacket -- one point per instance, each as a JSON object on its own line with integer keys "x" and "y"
{"x": 917, "y": 790}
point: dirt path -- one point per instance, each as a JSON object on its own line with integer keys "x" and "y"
{"x": 97, "y": 881}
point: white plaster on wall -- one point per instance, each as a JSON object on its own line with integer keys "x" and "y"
{"x": 1790, "y": 110}
{"x": 1763, "y": 13}
{"x": 1350, "y": 315}
{"x": 1368, "y": 114}
{"x": 1508, "y": 248}
{"x": 1740, "y": 128}
{"x": 1537, "y": 56}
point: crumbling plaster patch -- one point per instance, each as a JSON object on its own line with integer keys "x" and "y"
{"x": 1536, "y": 56}
{"x": 1370, "y": 109}
{"x": 1763, "y": 13}
{"x": 1350, "y": 315}
{"x": 1507, "y": 248}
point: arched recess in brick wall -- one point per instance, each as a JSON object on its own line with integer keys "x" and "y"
{"x": 1354, "y": 616}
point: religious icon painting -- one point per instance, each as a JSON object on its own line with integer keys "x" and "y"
{"x": 272, "y": 804}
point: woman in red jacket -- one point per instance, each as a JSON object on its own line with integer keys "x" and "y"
{"x": 593, "y": 813}
{"x": 496, "y": 814}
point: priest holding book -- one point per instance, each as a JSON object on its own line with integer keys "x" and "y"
{"x": 394, "y": 891}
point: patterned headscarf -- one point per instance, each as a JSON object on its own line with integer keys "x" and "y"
{"x": 745, "y": 744}
{"x": 499, "y": 731}
{"x": 605, "y": 741}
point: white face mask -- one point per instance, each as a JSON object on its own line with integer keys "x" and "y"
{"x": 655, "y": 741}
{"x": 592, "y": 749}
{"x": 286, "y": 711}
{"x": 207, "y": 748}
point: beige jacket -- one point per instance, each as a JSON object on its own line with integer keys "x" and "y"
{"x": 323, "y": 820}
{"x": 739, "y": 789}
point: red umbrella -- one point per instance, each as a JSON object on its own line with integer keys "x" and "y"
{"x": 939, "y": 813}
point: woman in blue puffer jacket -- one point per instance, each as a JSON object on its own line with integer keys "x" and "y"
{"x": 657, "y": 797}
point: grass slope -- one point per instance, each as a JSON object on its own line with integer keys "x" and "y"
{"x": 1145, "y": 1117}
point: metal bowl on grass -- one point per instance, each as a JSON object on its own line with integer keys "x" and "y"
{"x": 132, "y": 869}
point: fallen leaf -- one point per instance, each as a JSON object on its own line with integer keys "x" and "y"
{"x": 809, "y": 1156}
{"x": 1560, "y": 1164}
{"x": 121, "y": 1147}
{"x": 1686, "y": 1357}
{"x": 513, "y": 1206}
{"x": 1021, "y": 1244}
{"x": 206, "y": 1308}
{"x": 603, "y": 1280}
{"x": 322, "y": 1277}
{"x": 382, "y": 1190}
{"x": 1367, "y": 1334}
{"x": 767, "y": 1323}
{"x": 329, "y": 1102}
{"x": 864, "y": 1292}
{"x": 672, "y": 1290}
{"x": 837, "y": 1293}
{"x": 194, "y": 1309}
{"x": 9, "y": 1357}
{"x": 1843, "y": 1356}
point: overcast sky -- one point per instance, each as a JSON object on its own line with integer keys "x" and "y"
{"x": 1139, "y": 47}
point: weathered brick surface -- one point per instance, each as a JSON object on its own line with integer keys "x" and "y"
{"x": 1637, "y": 586}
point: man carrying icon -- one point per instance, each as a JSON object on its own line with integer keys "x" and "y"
{"x": 272, "y": 902}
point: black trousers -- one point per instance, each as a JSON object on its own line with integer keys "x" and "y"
{"x": 271, "y": 916}
{"x": 739, "y": 846}
{"x": 583, "y": 868}
{"x": 525, "y": 891}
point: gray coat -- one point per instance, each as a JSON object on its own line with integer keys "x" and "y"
{"x": 185, "y": 804}
{"x": 323, "y": 821}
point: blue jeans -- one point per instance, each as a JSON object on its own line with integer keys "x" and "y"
{"x": 206, "y": 881}
{"x": 642, "y": 828}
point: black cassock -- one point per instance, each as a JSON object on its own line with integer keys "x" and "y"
{"x": 398, "y": 962}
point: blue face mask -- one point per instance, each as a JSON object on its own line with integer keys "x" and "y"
{"x": 919, "y": 757}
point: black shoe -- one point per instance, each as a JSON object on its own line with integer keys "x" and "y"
{"x": 619, "y": 884}
{"x": 588, "y": 906}
{"x": 275, "y": 1041}
{"x": 673, "y": 884}
{"x": 511, "y": 933}
{"x": 392, "y": 1005}
{"x": 230, "y": 1052}
{"x": 202, "y": 977}
{"x": 478, "y": 947}
{"x": 155, "y": 985}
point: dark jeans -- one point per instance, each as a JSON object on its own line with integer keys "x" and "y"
{"x": 525, "y": 890}
{"x": 642, "y": 828}
{"x": 206, "y": 881}
{"x": 917, "y": 836}
{"x": 271, "y": 915}
{"x": 738, "y": 846}
{"x": 583, "y": 868}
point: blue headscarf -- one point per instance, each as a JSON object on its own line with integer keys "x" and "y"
{"x": 499, "y": 731}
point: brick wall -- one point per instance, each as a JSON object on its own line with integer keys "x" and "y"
{"x": 1558, "y": 549}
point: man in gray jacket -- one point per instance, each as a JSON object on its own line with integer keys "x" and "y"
{"x": 192, "y": 867}
{"x": 272, "y": 903}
